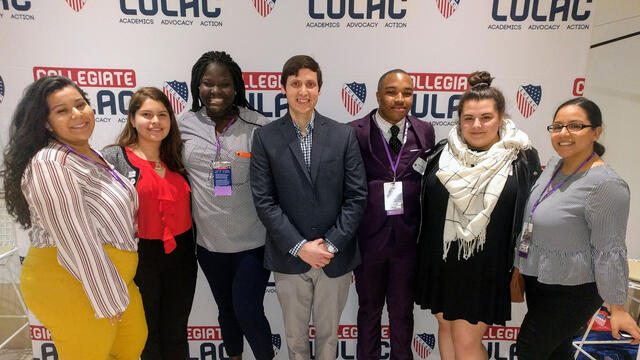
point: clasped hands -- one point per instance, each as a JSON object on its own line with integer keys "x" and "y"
{"x": 315, "y": 253}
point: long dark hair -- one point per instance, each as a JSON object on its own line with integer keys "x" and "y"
{"x": 480, "y": 88}
{"x": 171, "y": 146}
{"x": 594, "y": 115}
{"x": 27, "y": 135}
{"x": 224, "y": 59}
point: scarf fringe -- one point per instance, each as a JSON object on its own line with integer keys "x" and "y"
{"x": 465, "y": 248}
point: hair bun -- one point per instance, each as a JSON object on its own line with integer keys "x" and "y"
{"x": 478, "y": 78}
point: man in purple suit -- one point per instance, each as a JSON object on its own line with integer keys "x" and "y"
{"x": 393, "y": 147}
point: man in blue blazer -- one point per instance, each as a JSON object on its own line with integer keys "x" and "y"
{"x": 393, "y": 146}
{"x": 309, "y": 188}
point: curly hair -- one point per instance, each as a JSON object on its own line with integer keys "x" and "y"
{"x": 224, "y": 59}
{"x": 27, "y": 135}
{"x": 171, "y": 146}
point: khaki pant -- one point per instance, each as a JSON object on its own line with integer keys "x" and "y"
{"x": 313, "y": 292}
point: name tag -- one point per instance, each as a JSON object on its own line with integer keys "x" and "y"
{"x": 525, "y": 240}
{"x": 132, "y": 177}
{"x": 221, "y": 175}
{"x": 393, "y": 198}
{"x": 420, "y": 165}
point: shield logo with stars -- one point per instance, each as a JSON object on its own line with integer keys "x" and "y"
{"x": 424, "y": 344}
{"x": 353, "y": 97}
{"x": 528, "y": 98}
{"x": 178, "y": 94}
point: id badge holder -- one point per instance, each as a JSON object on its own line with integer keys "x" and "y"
{"x": 525, "y": 240}
{"x": 221, "y": 178}
{"x": 420, "y": 165}
{"x": 393, "y": 198}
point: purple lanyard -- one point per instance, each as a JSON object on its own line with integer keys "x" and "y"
{"x": 113, "y": 172}
{"x": 543, "y": 196}
{"x": 394, "y": 166}
{"x": 222, "y": 133}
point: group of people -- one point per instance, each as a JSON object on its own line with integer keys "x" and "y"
{"x": 116, "y": 235}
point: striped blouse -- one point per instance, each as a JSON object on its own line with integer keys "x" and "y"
{"x": 579, "y": 231}
{"x": 78, "y": 206}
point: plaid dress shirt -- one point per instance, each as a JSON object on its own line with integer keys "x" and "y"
{"x": 305, "y": 140}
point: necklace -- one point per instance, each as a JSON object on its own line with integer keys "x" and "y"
{"x": 158, "y": 165}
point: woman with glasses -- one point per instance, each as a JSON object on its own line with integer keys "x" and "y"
{"x": 572, "y": 249}
{"x": 217, "y": 135}
{"x": 473, "y": 193}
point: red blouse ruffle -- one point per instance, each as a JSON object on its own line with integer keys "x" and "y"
{"x": 164, "y": 210}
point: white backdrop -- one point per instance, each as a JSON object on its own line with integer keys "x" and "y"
{"x": 113, "y": 47}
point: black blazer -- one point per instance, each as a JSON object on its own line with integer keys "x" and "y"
{"x": 294, "y": 203}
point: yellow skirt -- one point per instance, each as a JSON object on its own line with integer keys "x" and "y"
{"x": 58, "y": 300}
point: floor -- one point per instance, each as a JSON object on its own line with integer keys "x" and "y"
{"x": 16, "y": 354}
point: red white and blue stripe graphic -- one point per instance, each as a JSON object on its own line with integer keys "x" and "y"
{"x": 353, "y": 97}
{"x": 178, "y": 94}
{"x": 424, "y": 344}
{"x": 528, "y": 98}
{"x": 76, "y": 5}
{"x": 447, "y": 7}
{"x": 1, "y": 90}
{"x": 264, "y": 7}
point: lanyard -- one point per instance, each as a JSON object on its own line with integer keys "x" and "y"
{"x": 221, "y": 134}
{"x": 543, "y": 196}
{"x": 113, "y": 172}
{"x": 394, "y": 166}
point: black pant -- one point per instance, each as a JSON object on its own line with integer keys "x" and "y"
{"x": 555, "y": 313}
{"x": 238, "y": 281}
{"x": 167, "y": 284}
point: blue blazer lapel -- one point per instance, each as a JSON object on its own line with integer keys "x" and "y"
{"x": 290, "y": 136}
{"x": 320, "y": 133}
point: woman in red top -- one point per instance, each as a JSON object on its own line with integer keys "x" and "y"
{"x": 149, "y": 153}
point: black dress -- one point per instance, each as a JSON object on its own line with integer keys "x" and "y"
{"x": 476, "y": 289}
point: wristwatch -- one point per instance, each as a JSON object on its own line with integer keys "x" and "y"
{"x": 332, "y": 249}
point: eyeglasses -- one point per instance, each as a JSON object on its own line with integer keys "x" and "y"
{"x": 571, "y": 127}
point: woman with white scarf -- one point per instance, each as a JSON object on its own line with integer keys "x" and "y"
{"x": 473, "y": 193}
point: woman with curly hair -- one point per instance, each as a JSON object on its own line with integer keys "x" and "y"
{"x": 77, "y": 277}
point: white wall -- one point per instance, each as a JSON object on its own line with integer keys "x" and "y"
{"x": 613, "y": 82}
